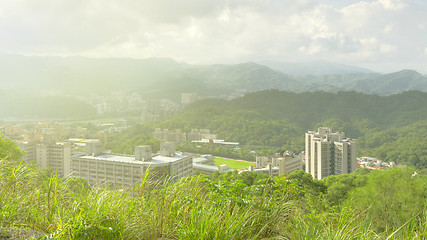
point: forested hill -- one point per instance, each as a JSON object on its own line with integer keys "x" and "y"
{"x": 350, "y": 111}
{"x": 280, "y": 119}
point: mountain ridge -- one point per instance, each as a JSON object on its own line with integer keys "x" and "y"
{"x": 165, "y": 77}
{"x": 315, "y": 68}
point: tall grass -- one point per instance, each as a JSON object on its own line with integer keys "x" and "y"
{"x": 188, "y": 209}
{"x": 192, "y": 208}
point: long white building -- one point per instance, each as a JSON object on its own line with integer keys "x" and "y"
{"x": 127, "y": 170}
{"x": 329, "y": 153}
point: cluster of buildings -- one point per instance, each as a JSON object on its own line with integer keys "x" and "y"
{"x": 371, "y": 163}
{"x": 203, "y": 136}
{"x": 121, "y": 102}
{"x": 151, "y": 110}
{"x": 326, "y": 153}
{"x": 35, "y": 132}
{"x": 41, "y": 146}
{"x": 100, "y": 167}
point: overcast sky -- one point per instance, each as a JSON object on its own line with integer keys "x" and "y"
{"x": 383, "y": 35}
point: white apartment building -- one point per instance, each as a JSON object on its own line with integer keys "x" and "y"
{"x": 165, "y": 135}
{"x": 329, "y": 153}
{"x": 127, "y": 170}
{"x": 199, "y": 134}
{"x": 56, "y": 156}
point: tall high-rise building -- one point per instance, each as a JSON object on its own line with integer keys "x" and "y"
{"x": 329, "y": 153}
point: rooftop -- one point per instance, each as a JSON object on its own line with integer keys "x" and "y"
{"x": 216, "y": 141}
{"x": 156, "y": 159}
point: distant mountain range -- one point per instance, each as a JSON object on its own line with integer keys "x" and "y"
{"x": 315, "y": 68}
{"x": 160, "y": 78}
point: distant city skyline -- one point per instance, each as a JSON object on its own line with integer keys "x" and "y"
{"x": 381, "y": 35}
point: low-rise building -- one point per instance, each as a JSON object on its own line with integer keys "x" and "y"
{"x": 278, "y": 164}
{"x": 178, "y": 137}
{"x": 219, "y": 142}
{"x": 205, "y": 164}
{"x": 127, "y": 170}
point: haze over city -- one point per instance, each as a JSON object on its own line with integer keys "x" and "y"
{"x": 213, "y": 119}
{"x": 383, "y": 35}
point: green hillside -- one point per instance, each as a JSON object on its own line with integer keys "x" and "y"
{"x": 407, "y": 145}
{"x": 387, "y": 126}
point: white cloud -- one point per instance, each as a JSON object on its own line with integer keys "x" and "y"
{"x": 387, "y": 48}
{"x": 218, "y": 30}
{"x": 393, "y": 4}
{"x": 388, "y": 28}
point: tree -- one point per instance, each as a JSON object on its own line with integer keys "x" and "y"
{"x": 248, "y": 177}
{"x": 8, "y": 149}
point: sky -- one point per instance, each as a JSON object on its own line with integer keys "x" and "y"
{"x": 382, "y": 35}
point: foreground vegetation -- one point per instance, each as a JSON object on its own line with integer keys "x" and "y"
{"x": 363, "y": 205}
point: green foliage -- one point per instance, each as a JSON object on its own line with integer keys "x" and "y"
{"x": 406, "y": 145}
{"x": 306, "y": 183}
{"x": 77, "y": 185}
{"x": 8, "y": 149}
{"x": 390, "y": 198}
{"x": 125, "y": 142}
{"x": 339, "y": 186}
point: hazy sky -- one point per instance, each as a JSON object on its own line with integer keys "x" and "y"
{"x": 383, "y": 35}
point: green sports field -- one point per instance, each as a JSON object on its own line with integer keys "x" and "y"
{"x": 234, "y": 164}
